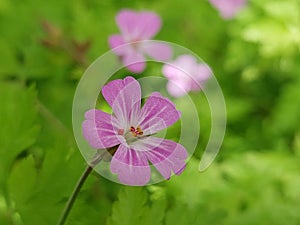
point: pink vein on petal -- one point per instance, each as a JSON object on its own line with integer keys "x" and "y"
{"x": 131, "y": 166}
{"x": 98, "y": 129}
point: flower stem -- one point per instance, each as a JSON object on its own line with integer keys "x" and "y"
{"x": 76, "y": 190}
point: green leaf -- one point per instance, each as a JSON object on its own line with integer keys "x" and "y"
{"x": 46, "y": 192}
{"x": 46, "y": 185}
{"x": 8, "y": 62}
{"x": 130, "y": 207}
{"x": 23, "y": 173}
{"x": 182, "y": 215}
{"x": 135, "y": 207}
{"x": 252, "y": 188}
{"x": 18, "y": 129}
{"x": 284, "y": 121}
{"x": 156, "y": 213}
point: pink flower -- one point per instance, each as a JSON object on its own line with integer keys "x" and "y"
{"x": 131, "y": 128}
{"x": 134, "y": 27}
{"x": 228, "y": 8}
{"x": 185, "y": 75}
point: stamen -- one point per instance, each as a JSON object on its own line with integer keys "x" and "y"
{"x": 121, "y": 131}
{"x": 132, "y": 129}
{"x": 139, "y": 130}
{"x": 136, "y": 131}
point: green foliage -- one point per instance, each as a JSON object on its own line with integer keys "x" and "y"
{"x": 254, "y": 188}
{"x": 18, "y": 128}
{"x": 132, "y": 208}
{"x": 43, "y": 194}
{"x": 281, "y": 125}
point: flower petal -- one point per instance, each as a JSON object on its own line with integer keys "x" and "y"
{"x": 131, "y": 166}
{"x": 178, "y": 88}
{"x": 202, "y": 74}
{"x": 98, "y": 129}
{"x": 186, "y": 63}
{"x": 157, "y": 114}
{"x": 134, "y": 61}
{"x": 124, "y": 96}
{"x": 228, "y": 9}
{"x": 165, "y": 155}
{"x": 158, "y": 51}
{"x": 168, "y": 71}
{"x": 115, "y": 42}
{"x": 182, "y": 69}
{"x": 185, "y": 74}
{"x": 138, "y": 25}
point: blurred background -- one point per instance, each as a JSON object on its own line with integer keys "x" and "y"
{"x": 46, "y": 46}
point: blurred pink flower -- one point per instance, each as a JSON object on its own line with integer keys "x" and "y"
{"x": 228, "y": 8}
{"x": 134, "y": 27}
{"x": 185, "y": 74}
{"x": 131, "y": 128}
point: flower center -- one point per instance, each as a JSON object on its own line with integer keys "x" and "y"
{"x": 136, "y": 131}
{"x": 132, "y": 134}
{"x": 135, "y": 45}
